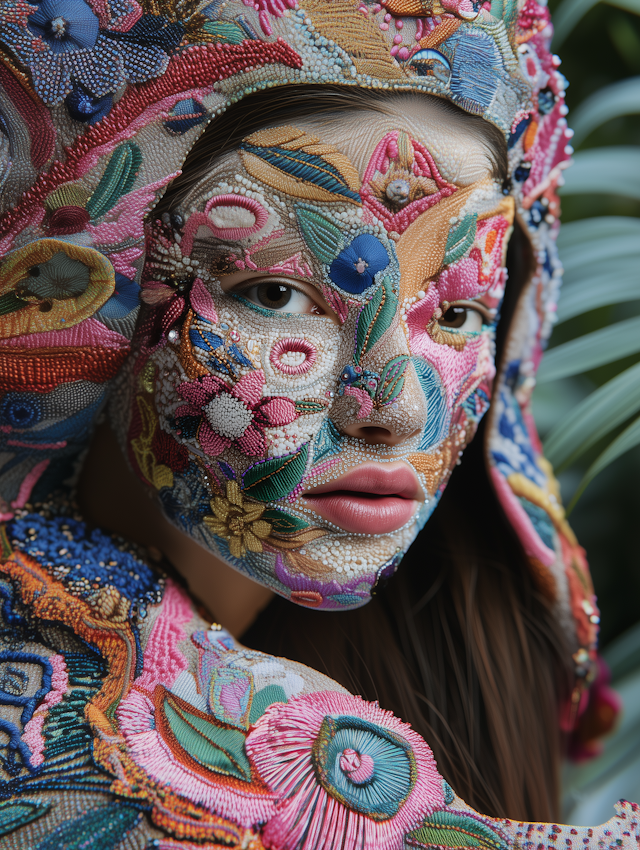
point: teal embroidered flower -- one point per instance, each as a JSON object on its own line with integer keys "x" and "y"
{"x": 345, "y": 774}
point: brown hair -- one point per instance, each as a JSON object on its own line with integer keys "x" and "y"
{"x": 459, "y": 643}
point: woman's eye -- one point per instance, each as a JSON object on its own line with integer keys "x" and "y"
{"x": 278, "y": 296}
{"x": 462, "y": 318}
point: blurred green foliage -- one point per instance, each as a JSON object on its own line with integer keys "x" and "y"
{"x": 600, "y": 50}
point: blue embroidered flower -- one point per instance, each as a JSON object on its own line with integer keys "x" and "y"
{"x": 82, "y": 107}
{"x": 69, "y": 51}
{"x": 65, "y": 25}
{"x": 355, "y": 267}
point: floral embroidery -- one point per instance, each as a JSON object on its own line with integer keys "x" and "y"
{"x": 349, "y": 774}
{"x": 63, "y": 41}
{"x": 64, "y": 26}
{"x": 222, "y": 415}
{"x": 356, "y": 266}
{"x": 337, "y": 772}
{"x": 401, "y": 181}
{"x": 239, "y": 522}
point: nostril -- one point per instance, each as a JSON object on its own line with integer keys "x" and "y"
{"x": 374, "y": 434}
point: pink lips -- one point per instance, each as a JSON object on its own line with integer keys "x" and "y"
{"x": 372, "y": 499}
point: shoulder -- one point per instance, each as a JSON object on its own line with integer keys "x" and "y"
{"x": 115, "y": 693}
{"x": 126, "y": 720}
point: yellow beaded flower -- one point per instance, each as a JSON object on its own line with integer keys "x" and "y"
{"x": 238, "y": 521}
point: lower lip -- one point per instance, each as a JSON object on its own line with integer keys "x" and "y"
{"x": 363, "y": 513}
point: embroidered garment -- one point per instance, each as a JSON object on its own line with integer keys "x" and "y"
{"x": 128, "y": 723}
{"x": 125, "y": 722}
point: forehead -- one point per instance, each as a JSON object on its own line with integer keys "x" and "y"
{"x": 461, "y": 147}
{"x": 463, "y": 152}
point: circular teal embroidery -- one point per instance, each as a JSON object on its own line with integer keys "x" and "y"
{"x": 366, "y": 767}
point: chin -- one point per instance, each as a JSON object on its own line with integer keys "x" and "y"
{"x": 338, "y": 571}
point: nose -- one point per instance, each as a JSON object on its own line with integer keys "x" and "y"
{"x": 397, "y": 412}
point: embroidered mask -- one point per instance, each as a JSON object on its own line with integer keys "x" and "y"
{"x": 334, "y": 350}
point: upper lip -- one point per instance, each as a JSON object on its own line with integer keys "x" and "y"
{"x": 377, "y": 479}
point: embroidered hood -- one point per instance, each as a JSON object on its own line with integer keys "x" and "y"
{"x": 101, "y": 102}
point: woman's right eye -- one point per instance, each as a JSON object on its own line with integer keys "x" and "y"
{"x": 275, "y": 295}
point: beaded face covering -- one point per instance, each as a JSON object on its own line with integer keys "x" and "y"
{"x": 322, "y": 306}
{"x": 234, "y": 411}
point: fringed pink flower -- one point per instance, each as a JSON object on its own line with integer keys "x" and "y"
{"x": 234, "y": 415}
{"x": 347, "y": 773}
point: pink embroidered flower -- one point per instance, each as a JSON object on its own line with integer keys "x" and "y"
{"x": 347, "y": 773}
{"x": 264, "y": 8}
{"x": 237, "y": 415}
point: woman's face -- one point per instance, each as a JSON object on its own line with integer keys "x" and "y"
{"x": 338, "y": 280}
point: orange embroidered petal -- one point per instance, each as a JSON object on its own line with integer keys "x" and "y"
{"x": 36, "y": 298}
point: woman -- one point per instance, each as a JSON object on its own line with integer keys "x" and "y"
{"x": 324, "y": 289}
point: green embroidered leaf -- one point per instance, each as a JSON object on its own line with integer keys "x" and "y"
{"x": 101, "y": 829}
{"x": 18, "y": 813}
{"x": 117, "y": 180}
{"x": 301, "y": 164}
{"x": 225, "y": 31}
{"x": 321, "y": 235}
{"x": 282, "y": 523}
{"x": 10, "y": 302}
{"x": 328, "y": 441}
{"x": 460, "y": 239}
{"x": 306, "y": 407}
{"x": 455, "y": 829}
{"x": 270, "y": 480}
{"x": 263, "y": 699}
{"x": 220, "y": 749}
{"x": 392, "y": 379}
{"x": 375, "y": 319}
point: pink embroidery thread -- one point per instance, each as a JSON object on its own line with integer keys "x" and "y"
{"x": 289, "y": 346}
{"x": 32, "y": 734}
{"x": 163, "y": 661}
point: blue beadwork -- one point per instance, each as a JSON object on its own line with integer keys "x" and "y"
{"x": 85, "y": 559}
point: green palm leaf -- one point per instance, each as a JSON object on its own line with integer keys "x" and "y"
{"x": 610, "y": 170}
{"x": 570, "y": 12}
{"x": 621, "y": 98}
{"x": 591, "y": 350}
{"x": 624, "y": 442}
{"x": 599, "y": 249}
{"x": 595, "y": 417}
{"x": 580, "y": 233}
{"x": 600, "y": 285}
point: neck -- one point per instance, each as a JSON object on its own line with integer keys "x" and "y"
{"x": 111, "y": 496}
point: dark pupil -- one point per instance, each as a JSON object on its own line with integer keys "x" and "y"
{"x": 274, "y": 295}
{"x": 21, "y": 413}
{"x": 454, "y": 317}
